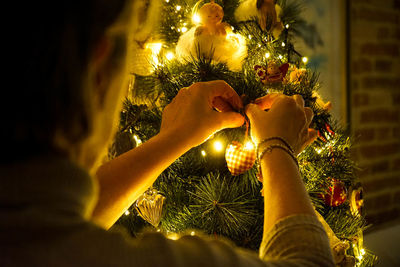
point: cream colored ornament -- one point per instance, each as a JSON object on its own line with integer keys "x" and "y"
{"x": 212, "y": 39}
{"x": 150, "y": 206}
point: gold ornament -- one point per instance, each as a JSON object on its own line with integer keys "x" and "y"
{"x": 150, "y": 205}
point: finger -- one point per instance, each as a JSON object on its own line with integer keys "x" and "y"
{"x": 266, "y": 101}
{"x": 221, "y": 105}
{"x": 309, "y": 115}
{"x": 312, "y": 136}
{"x": 229, "y": 120}
{"x": 252, "y": 111}
{"x": 224, "y": 90}
{"x": 299, "y": 100}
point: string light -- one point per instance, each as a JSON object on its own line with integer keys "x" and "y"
{"x": 203, "y": 153}
{"x": 218, "y": 146}
{"x": 170, "y": 55}
{"x": 249, "y": 36}
{"x": 137, "y": 140}
{"x": 305, "y": 59}
{"x": 167, "y": 1}
{"x": 249, "y": 145}
{"x": 127, "y": 212}
{"x": 178, "y": 8}
{"x": 280, "y": 56}
{"x": 287, "y": 26}
{"x": 267, "y": 55}
{"x": 283, "y": 44}
{"x": 192, "y": 233}
{"x": 183, "y": 29}
{"x": 196, "y": 18}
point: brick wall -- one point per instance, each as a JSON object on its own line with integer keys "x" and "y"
{"x": 375, "y": 103}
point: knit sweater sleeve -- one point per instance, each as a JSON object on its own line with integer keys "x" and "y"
{"x": 297, "y": 240}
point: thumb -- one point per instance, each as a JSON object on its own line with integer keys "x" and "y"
{"x": 229, "y": 120}
{"x": 253, "y": 111}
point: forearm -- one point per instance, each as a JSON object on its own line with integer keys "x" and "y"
{"x": 284, "y": 191}
{"x": 123, "y": 179}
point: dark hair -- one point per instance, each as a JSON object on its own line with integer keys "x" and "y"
{"x": 47, "y": 58}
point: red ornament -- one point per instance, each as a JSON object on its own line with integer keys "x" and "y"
{"x": 336, "y": 195}
{"x": 272, "y": 73}
{"x": 240, "y": 158}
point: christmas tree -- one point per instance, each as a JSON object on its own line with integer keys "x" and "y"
{"x": 248, "y": 44}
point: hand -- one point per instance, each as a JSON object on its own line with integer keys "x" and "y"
{"x": 200, "y": 110}
{"x": 287, "y": 118}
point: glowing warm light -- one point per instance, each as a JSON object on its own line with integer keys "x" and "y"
{"x": 170, "y": 55}
{"x": 196, "y": 18}
{"x": 280, "y": 56}
{"x": 287, "y": 26}
{"x": 319, "y": 150}
{"x": 127, "y": 212}
{"x": 173, "y": 236}
{"x": 267, "y": 55}
{"x": 249, "y": 145}
{"x": 178, "y": 8}
{"x": 305, "y": 59}
{"x": 360, "y": 257}
{"x": 158, "y": 230}
{"x": 167, "y": 1}
{"x": 192, "y": 233}
{"x": 249, "y": 36}
{"x": 184, "y": 29}
{"x": 137, "y": 140}
{"x": 283, "y": 44}
{"x": 203, "y": 153}
{"x": 154, "y": 47}
{"x": 362, "y": 251}
{"x": 218, "y": 146}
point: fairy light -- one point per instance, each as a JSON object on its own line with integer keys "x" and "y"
{"x": 167, "y": 1}
{"x": 184, "y": 29}
{"x": 283, "y": 44}
{"x": 173, "y": 236}
{"x": 127, "y": 212}
{"x": 170, "y": 55}
{"x": 249, "y": 36}
{"x": 196, "y": 18}
{"x": 362, "y": 251}
{"x": 192, "y": 233}
{"x": 178, "y": 8}
{"x": 280, "y": 56}
{"x": 319, "y": 150}
{"x": 203, "y": 153}
{"x": 267, "y": 55}
{"x": 218, "y": 146}
{"x": 137, "y": 140}
{"x": 287, "y": 26}
{"x": 305, "y": 59}
{"x": 249, "y": 145}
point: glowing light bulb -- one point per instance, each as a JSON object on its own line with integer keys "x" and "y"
{"x": 178, "y": 8}
{"x": 267, "y": 55}
{"x": 170, "y": 55}
{"x": 173, "y": 236}
{"x": 167, "y": 1}
{"x": 137, "y": 140}
{"x": 249, "y": 36}
{"x": 218, "y": 146}
{"x": 196, "y": 18}
{"x": 305, "y": 59}
{"x": 127, "y": 212}
{"x": 283, "y": 44}
{"x": 362, "y": 251}
{"x": 154, "y": 47}
{"x": 249, "y": 145}
{"x": 203, "y": 153}
{"x": 192, "y": 233}
{"x": 184, "y": 29}
{"x": 287, "y": 26}
{"x": 280, "y": 56}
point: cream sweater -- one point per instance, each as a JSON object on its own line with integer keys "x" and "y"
{"x": 44, "y": 222}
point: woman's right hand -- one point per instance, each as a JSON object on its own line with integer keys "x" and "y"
{"x": 287, "y": 118}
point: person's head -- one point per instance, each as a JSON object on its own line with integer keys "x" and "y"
{"x": 68, "y": 69}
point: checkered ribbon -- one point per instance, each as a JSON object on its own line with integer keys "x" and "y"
{"x": 239, "y": 158}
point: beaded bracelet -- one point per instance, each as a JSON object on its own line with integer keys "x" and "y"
{"x": 275, "y": 138}
{"x": 284, "y": 148}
